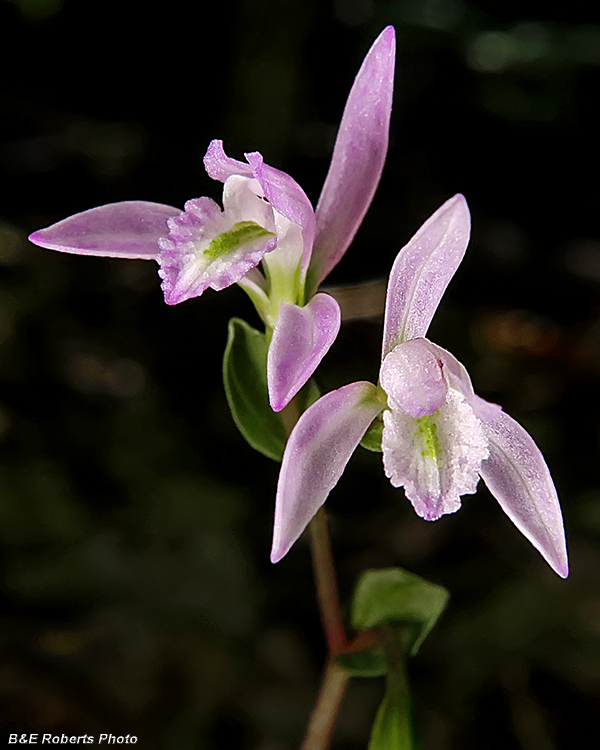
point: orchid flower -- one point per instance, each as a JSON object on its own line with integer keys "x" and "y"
{"x": 438, "y": 437}
{"x": 266, "y": 217}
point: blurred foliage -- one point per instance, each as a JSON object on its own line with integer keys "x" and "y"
{"x": 137, "y": 596}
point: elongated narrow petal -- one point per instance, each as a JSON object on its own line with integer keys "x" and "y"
{"x": 301, "y": 338}
{"x": 518, "y": 477}
{"x": 281, "y": 190}
{"x": 422, "y": 271}
{"x": 316, "y": 455}
{"x": 130, "y": 229}
{"x": 413, "y": 377}
{"x": 358, "y": 156}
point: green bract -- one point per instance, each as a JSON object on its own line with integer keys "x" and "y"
{"x": 394, "y": 597}
{"x": 372, "y": 437}
{"x": 403, "y": 604}
{"x": 245, "y": 378}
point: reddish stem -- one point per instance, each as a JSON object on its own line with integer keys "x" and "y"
{"x": 324, "y": 716}
{"x": 327, "y": 585}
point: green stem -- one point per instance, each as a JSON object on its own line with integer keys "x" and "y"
{"x": 397, "y": 677}
{"x": 397, "y": 699}
{"x": 324, "y": 716}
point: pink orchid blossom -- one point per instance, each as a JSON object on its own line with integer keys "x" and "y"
{"x": 438, "y": 437}
{"x": 266, "y": 218}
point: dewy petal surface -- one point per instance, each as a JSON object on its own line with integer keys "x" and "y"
{"x": 302, "y": 337}
{"x": 412, "y": 376}
{"x": 518, "y": 477}
{"x": 436, "y": 458}
{"x": 422, "y": 271}
{"x": 316, "y": 455}
{"x": 358, "y": 156}
{"x": 130, "y": 229}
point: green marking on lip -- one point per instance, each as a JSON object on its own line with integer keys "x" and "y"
{"x": 428, "y": 431}
{"x": 240, "y": 234}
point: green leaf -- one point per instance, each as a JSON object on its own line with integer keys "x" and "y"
{"x": 392, "y": 728}
{"x": 372, "y": 437}
{"x": 395, "y": 597}
{"x": 245, "y": 378}
{"x": 367, "y": 663}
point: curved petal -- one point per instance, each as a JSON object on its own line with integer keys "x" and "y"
{"x": 413, "y": 377}
{"x": 422, "y": 271}
{"x": 281, "y": 190}
{"x": 219, "y": 166}
{"x": 316, "y": 454}
{"x": 358, "y": 157}
{"x": 301, "y": 338}
{"x": 130, "y": 229}
{"x": 288, "y": 198}
{"x": 518, "y": 477}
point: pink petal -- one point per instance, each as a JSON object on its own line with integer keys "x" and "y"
{"x": 219, "y": 166}
{"x": 316, "y": 455}
{"x": 301, "y": 338}
{"x": 412, "y": 376}
{"x": 457, "y": 376}
{"x": 422, "y": 271}
{"x": 130, "y": 229}
{"x": 281, "y": 190}
{"x": 287, "y": 197}
{"x": 518, "y": 477}
{"x": 358, "y": 157}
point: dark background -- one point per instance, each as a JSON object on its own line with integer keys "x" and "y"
{"x": 137, "y": 596}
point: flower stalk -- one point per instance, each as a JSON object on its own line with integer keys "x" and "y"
{"x": 324, "y": 716}
{"x": 335, "y": 679}
{"x": 326, "y": 584}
